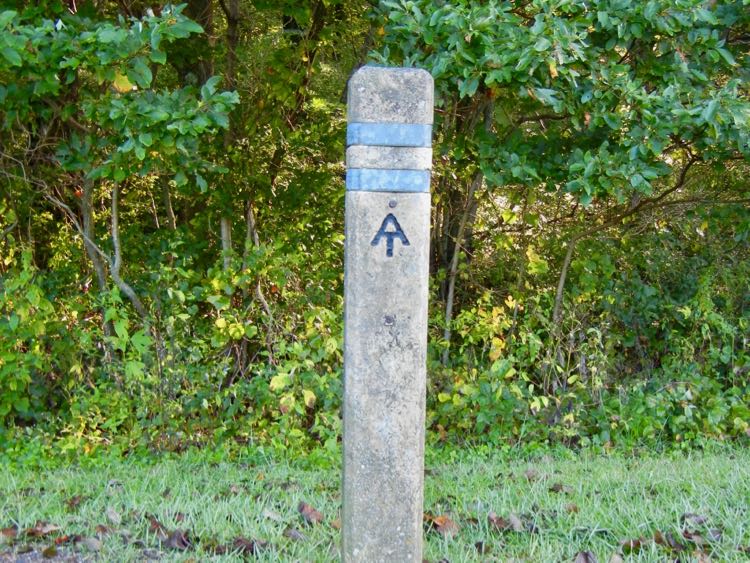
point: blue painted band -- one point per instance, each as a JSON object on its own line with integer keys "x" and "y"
{"x": 379, "y": 180}
{"x": 389, "y": 134}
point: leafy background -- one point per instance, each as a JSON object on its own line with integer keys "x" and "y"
{"x": 171, "y": 209}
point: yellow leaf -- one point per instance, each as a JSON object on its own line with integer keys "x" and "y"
{"x": 280, "y": 381}
{"x": 122, "y": 84}
{"x": 552, "y": 69}
{"x": 308, "y": 397}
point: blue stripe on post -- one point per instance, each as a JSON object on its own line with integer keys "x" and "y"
{"x": 389, "y": 134}
{"x": 379, "y": 180}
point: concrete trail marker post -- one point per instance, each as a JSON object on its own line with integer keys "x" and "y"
{"x": 389, "y": 158}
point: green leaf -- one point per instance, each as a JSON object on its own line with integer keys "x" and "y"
{"x": 727, "y": 56}
{"x": 542, "y": 44}
{"x": 12, "y": 56}
{"x": 6, "y": 17}
{"x": 209, "y": 88}
{"x": 112, "y": 35}
{"x": 158, "y": 57}
{"x": 140, "y": 73}
{"x": 201, "y": 181}
{"x": 710, "y": 111}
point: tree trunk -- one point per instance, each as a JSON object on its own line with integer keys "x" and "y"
{"x": 117, "y": 260}
{"x": 167, "y": 198}
{"x": 453, "y": 270}
{"x": 226, "y": 241}
{"x": 87, "y": 213}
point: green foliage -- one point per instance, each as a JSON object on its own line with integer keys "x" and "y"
{"x": 601, "y": 289}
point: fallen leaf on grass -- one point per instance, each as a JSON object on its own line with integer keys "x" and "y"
{"x": 248, "y": 547}
{"x": 73, "y": 502}
{"x": 157, "y": 528}
{"x": 692, "y": 519}
{"x": 632, "y": 546}
{"x": 483, "y": 548}
{"x": 235, "y": 489}
{"x": 442, "y": 524}
{"x": 92, "y": 544}
{"x": 178, "y": 540}
{"x": 10, "y": 532}
{"x": 560, "y": 488}
{"x": 294, "y": 534}
{"x": 61, "y": 540}
{"x": 50, "y": 552}
{"x": 336, "y": 524}
{"x": 668, "y": 540}
{"x": 103, "y": 530}
{"x": 513, "y": 522}
{"x": 42, "y": 529}
{"x": 572, "y": 508}
{"x": 585, "y": 557}
{"x": 531, "y": 475}
{"x": 309, "y": 514}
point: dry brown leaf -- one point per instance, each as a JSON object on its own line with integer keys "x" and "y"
{"x": 482, "y": 547}
{"x": 515, "y": 523}
{"x": 572, "y": 508}
{"x": 336, "y": 524}
{"x": 692, "y": 519}
{"x": 668, "y": 540}
{"x": 444, "y": 526}
{"x": 73, "y": 502}
{"x": 632, "y": 546}
{"x": 531, "y": 474}
{"x": 694, "y": 537}
{"x": 92, "y": 544}
{"x": 560, "y": 488}
{"x": 498, "y": 522}
{"x": 585, "y": 557}
{"x": 248, "y": 547}
{"x": 103, "y": 530}
{"x": 42, "y": 529}
{"x": 294, "y": 534}
{"x": 157, "y": 528}
{"x": 177, "y": 540}
{"x": 309, "y": 514}
{"x": 10, "y": 532}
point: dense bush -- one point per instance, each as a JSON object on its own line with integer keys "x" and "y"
{"x": 171, "y": 253}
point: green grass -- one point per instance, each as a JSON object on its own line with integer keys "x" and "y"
{"x": 617, "y": 498}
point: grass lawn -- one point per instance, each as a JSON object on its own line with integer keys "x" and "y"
{"x": 548, "y": 508}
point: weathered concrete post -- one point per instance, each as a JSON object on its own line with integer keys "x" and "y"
{"x": 385, "y": 312}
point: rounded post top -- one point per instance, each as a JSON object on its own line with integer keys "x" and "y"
{"x": 390, "y": 95}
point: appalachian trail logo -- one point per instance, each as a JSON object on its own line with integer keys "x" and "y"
{"x": 395, "y": 232}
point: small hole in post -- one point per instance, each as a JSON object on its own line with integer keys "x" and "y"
{"x": 393, "y": 203}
